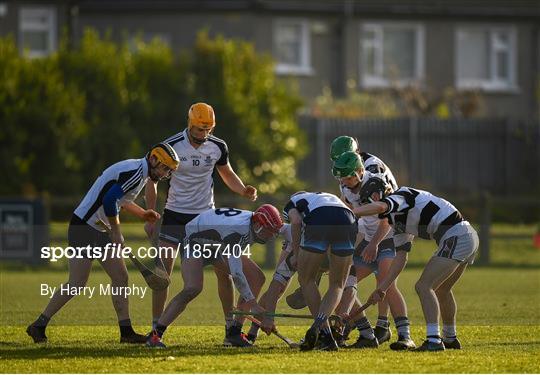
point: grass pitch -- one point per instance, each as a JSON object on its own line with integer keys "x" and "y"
{"x": 498, "y": 323}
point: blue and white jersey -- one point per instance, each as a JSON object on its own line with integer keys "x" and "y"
{"x": 191, "y": 188}
{"x": 131, "y": 175}
{"x": 229, "y": 226}
{"x": 414, "y": 212}
{"x": 306, "y": 202}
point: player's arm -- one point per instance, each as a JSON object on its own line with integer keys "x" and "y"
{"x": 233, "y": 182}
{"x": 403, "y": 243}
{"x": 239, "y": 278}
{"x": 346, "y": 201}
{"x": 148, "y": 215}
{"x": 370, "y": 252}
{"x": 110, "y": 206}
{"x": 295, "y": 219}
{"x": 150, "y": 199}
{"x": 375, "y": 208}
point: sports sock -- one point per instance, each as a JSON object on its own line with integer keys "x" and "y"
{"x": 160, "y": 329}
{"x": 449, "y": 332}
{"x": 229, "y": 322}
{"x": 382, "y": 321}
{"x": 254, "y": 330}
{"x": 154, "y": 323}
{"x": 365, "y": 329}
{"x": 41, "y": 321}
{"x": 320, "y": 320}
{"x": 125, "y": 327}
{"x": 237, "y": 324}
{"x": 403, "y": 326}
{"x": 433, "y": 334}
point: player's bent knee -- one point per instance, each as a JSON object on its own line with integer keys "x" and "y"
{"x": 443, "y": 292}
{"x": 421, "y": 287}
{"x": 191, "y": 292}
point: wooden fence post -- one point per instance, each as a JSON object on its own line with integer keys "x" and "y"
{"x": 485, "y": 228}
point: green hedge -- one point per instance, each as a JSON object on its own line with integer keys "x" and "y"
{"x": 66, "y": 117}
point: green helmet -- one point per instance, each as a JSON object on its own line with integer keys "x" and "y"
{"x": 342, "y": 144}
{"x": 347, "y": 164}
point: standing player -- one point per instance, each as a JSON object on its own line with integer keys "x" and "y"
{"x": 191, "y": 192}
{"x": 221, "y": 234}
{"x": 118, "y": 186}
{"x": 321, "y": 222}
{"x": 412, "y": 212}
{"x": 374, "y": 254}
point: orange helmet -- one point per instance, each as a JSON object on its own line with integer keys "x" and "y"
{"x": 201, "y": 114}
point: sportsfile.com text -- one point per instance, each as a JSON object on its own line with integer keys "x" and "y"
{"x": 111, "y": 251}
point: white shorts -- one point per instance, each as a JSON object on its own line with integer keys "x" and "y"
{"x": 459, "y": 243}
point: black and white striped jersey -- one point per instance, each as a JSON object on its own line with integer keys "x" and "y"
{"x": 224, "y": 225}
{"x": 306, "y": 202}
{"x": 132, "y": 176}
{"x": 419, "y": 213}
{"x": 375, "y": 165}
{"x": 191, "y": 187}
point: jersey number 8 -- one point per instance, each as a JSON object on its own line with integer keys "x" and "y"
{"x": 228, "y": 211}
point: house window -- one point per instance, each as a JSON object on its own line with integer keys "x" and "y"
{"x": 391, "y": 53}
{"x": 292, "y": 47}
{"x": 486, "y": 58}
{"x": 37, "y": 31}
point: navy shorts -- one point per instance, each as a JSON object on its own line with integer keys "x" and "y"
{"x": 80, "y": 234}
{"x": 329, "y": 226}
{"x": 173, "y": 226}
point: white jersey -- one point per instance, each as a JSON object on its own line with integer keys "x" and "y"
{"x": 413, "y": 212}
{"x": 229, "y": 226}
{"x": 131, "y": 175}
{"x": 306, "y": 202}
{"x": 191, "y": 188}
{"x": 368, "y": 225}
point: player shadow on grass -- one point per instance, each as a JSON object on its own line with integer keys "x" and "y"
{"x": 48, "y": 351}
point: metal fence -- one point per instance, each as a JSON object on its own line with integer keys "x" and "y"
{"x": 457, "y": 156}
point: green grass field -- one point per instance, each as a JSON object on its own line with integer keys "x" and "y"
{"x": 498, "y": 323}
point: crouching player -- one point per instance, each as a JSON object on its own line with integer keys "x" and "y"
{"x": 220, "y": 233}
{"x": 412, "y": 212}
{"x": 118, "y": 186}
{"x": 374, "y": 254}
{"x": 321, "y": 222}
